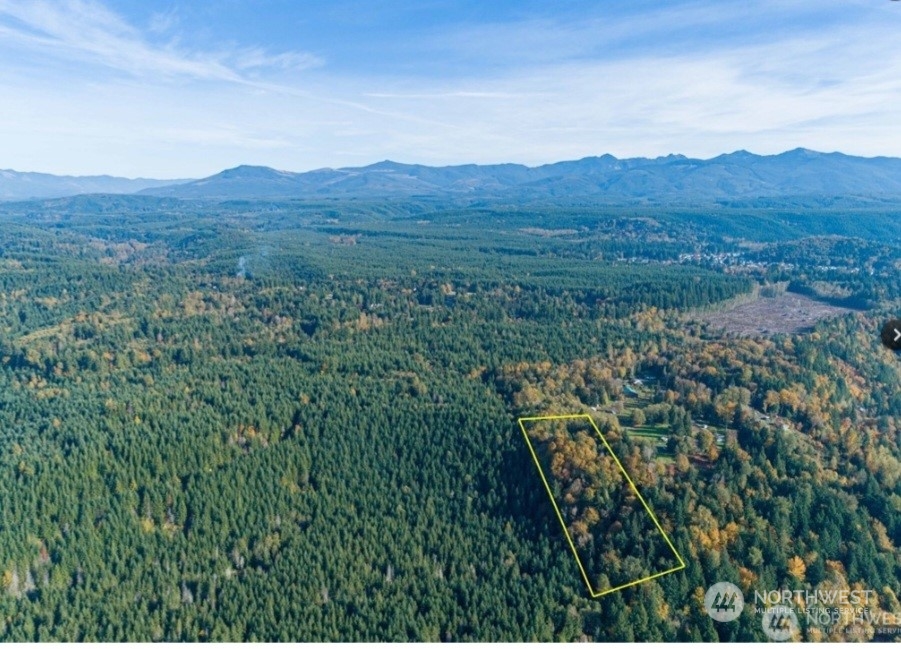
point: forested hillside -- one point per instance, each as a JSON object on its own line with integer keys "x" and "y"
{"x": 282, "y": 421}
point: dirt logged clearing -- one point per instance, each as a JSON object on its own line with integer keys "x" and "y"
{"x": 783, "y": 314}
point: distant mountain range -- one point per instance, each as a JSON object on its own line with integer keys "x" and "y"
{"x": 739, "y": 175}
{"x": 20, "y": 186}
{"x": 674, "y": 178}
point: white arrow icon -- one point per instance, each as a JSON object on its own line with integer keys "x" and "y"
{"x": 897, "y": 335}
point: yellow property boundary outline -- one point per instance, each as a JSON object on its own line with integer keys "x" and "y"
{"x": 572, "y": 545}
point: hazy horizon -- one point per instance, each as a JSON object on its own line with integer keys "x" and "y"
{"x": 112, "y": 174}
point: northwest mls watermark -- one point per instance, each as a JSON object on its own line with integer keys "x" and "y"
{"x": 724, "y": 601}
{"x": 856, "y": 597}
{"x": 849, "y": 610}
{"x": 779, "y": 623}
{"x": 826, "y": 609}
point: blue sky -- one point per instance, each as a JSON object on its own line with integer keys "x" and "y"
{"x": 185, "y": 89}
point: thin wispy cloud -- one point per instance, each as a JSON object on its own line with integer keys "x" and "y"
{"x": 225, "y": 135}
{"x": 163, "y": 21}
{"x": 87, "y": 30}
{"x": 453, "y": 94}
{"x": 253, "y": 58}
{"x": 91, "y": 32}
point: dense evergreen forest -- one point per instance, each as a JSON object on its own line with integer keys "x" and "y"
{"x": 298, "y": 420}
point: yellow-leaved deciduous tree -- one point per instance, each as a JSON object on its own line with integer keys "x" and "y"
{"x": 797, "y": 567}
{"x": 558, "y": 464}
{"x": 528, "y": 396}
{"x": 772, "y": 401}
{"x": 793, "y": 397}
{"x": 578, "y": 528}
{"x": 746, "y": 577}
